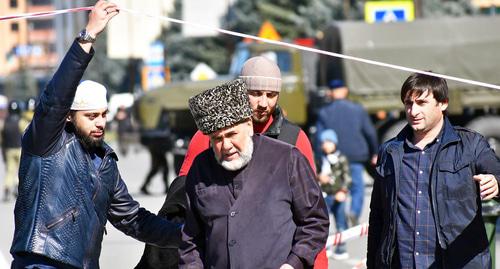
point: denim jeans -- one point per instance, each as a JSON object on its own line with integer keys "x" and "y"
{"x": 357, "y": 189}
{"x": 338, "y": 211}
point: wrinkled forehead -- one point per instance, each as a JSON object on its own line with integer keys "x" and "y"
{"x": 238, "y": 127}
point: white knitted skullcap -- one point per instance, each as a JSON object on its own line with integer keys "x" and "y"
{"x": 261, "y": 74}
{"x": 89, "y": 95}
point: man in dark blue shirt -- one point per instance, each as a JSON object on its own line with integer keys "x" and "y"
{"x": 426, "y": 200}
{"x": 357, "y": 139}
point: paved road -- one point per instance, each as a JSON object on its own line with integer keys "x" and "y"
{"x": 120, "y": 251}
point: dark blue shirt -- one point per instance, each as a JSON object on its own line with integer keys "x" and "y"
{"x": 357, "y": 136}
{"x": 416, "y": 230}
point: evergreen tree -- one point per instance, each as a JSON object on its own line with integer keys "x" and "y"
{"x": 291, "y": 18}
{"x": 183, "y": 54}
{"x": 439, "y": 8}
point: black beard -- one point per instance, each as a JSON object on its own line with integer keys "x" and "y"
{"x": 89, "y": 143}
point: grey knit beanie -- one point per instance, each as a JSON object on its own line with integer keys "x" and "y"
{"x": 261, "y": 74}
{"x": 220, "y": 107}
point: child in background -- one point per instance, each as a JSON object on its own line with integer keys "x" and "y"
{"x": 334, "y": 179}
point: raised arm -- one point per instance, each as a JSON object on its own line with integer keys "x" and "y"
{"x": 49, "y": 120}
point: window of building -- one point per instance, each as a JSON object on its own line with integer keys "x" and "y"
{"x": 13, "y": 3}
{"x": 41, "y": 2}
{"x": 14, "y": 27}
{"x": 41, "y": 24}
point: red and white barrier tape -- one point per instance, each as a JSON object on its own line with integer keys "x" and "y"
{"x": 347, "y": 235}
{"x": 43, "y": 13}
{"x": 361, "y": 264}
{"x": 275, "y": 42}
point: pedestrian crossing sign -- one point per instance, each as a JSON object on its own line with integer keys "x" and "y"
{"x": 389, "y": 11}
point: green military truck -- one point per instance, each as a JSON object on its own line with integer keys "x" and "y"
{"x": 462, "y": 47}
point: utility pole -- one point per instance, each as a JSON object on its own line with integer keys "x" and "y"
{"x": 418, "y": 8}
{"x": 347, "y": 9}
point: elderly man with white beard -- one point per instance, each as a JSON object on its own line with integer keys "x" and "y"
{"x": 253, "y": 200}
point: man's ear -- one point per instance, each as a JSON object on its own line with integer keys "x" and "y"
{"x": 444, "y": 105}
{"x": 69, "y": 117}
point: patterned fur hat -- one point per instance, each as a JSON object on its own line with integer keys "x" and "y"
{"x": 220, "y": 107}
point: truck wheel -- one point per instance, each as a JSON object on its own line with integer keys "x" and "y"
{"x": 394, "y": 130}
{"x": 489, "y": 127}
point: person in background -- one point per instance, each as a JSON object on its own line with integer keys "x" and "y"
{"x": 359, "y": 140}
{"x": 158, "y": 142}
{"x": 11, "y": 149}
{"x": 491, "y": 211}
{"x": 124, "y": 127}
{"x": 334, "y": 179}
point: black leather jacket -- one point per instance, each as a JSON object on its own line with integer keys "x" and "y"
{"x": 282, "y": 129}
{"x": 64, "y": 201}
{"x": 455, "y": 199}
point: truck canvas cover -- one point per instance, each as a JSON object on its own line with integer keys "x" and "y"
{"x": 464, "y": 47}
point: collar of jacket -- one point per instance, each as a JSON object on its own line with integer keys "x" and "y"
{"x": 275, "y": 128}
{"x": 109, "y": 151}
{"x": 449, "y": 133}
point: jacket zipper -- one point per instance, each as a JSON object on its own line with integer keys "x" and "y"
{"x": 97, "y": 181}
{"x": 434, "y": 200}
{"x": 394, "y": 206}
{"x": 88, "y": 256}
{"x": 73, "y": 212}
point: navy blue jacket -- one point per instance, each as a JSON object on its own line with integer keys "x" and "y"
{"x": 64, "y": 201}
{"x": 357, "y": 136}
{"x": 454, "y": 199}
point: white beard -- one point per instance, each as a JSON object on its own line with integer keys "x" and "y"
{"x": 242, "y": 160}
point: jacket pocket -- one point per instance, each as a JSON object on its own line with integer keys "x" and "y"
{"x": 70, "y": 214}
{"x": 457, "y": 179}
{"x": 210, "y": 202}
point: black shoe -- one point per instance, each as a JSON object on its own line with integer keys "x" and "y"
{"x": 145, "y": 191}
{"x": 6, "y": 195}
{"x": 353, "y": 220}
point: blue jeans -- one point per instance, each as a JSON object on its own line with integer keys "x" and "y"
{"x": 338, "y": 211}
{"x": 357, "y": 188}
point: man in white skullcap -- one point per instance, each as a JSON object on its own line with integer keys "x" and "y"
{"x": 69, "y": 183}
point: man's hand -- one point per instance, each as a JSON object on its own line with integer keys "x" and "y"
{"x": 373, "y": 160}
{"x": 488, "y": 185}
{"x": 286, "y": 266}
{"x": 341, "y": 196}
{"x": 99, "y": 17}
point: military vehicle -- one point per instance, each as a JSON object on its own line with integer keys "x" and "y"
{"x": 463, "y": 47}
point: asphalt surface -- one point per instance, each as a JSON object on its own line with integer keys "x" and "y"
{"x": 121, "y": 251}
